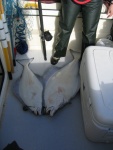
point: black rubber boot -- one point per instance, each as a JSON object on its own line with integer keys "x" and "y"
{"x": 54, "y": 60}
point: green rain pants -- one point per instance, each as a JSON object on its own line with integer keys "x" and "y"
{"x": 69, "y": 12}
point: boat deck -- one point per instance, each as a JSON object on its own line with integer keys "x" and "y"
{"x": 63, "y": 131}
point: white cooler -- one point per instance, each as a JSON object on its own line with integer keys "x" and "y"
{"x": 96, "y": 72}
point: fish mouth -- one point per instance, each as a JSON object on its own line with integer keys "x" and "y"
{"x": 50, "y": 111}
{"x": 36, "y": 111}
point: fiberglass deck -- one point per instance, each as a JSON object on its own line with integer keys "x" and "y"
{"x": 63, "y": 131}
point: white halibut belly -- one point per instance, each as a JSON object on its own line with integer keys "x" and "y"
{"x": 30, "y": 90}
{"x": 61, "y": 87}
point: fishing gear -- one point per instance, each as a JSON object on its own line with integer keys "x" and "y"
{"x": 2, "y": 75}
{"x": 5, "y": 45}
{"x": 7, "y": 37}
{"x": 20, "y": 34}
{"x": 44, "y": 35}
{"x": 42, "y": 29}
{"x": 48, "y": 36}
{"x": 9, "y": 17}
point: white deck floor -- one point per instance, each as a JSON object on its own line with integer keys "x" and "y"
{"x": 63, "y": 131}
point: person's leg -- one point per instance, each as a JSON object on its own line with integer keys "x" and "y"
{"x": 69, "y": 14}
{"x": 91, "y": 14}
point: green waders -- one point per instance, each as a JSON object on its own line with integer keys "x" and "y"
{"x": 69, "y": 12}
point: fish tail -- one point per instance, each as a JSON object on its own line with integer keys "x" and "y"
{"x": 24, "y": 62}
{"x": 75, "y": 54}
